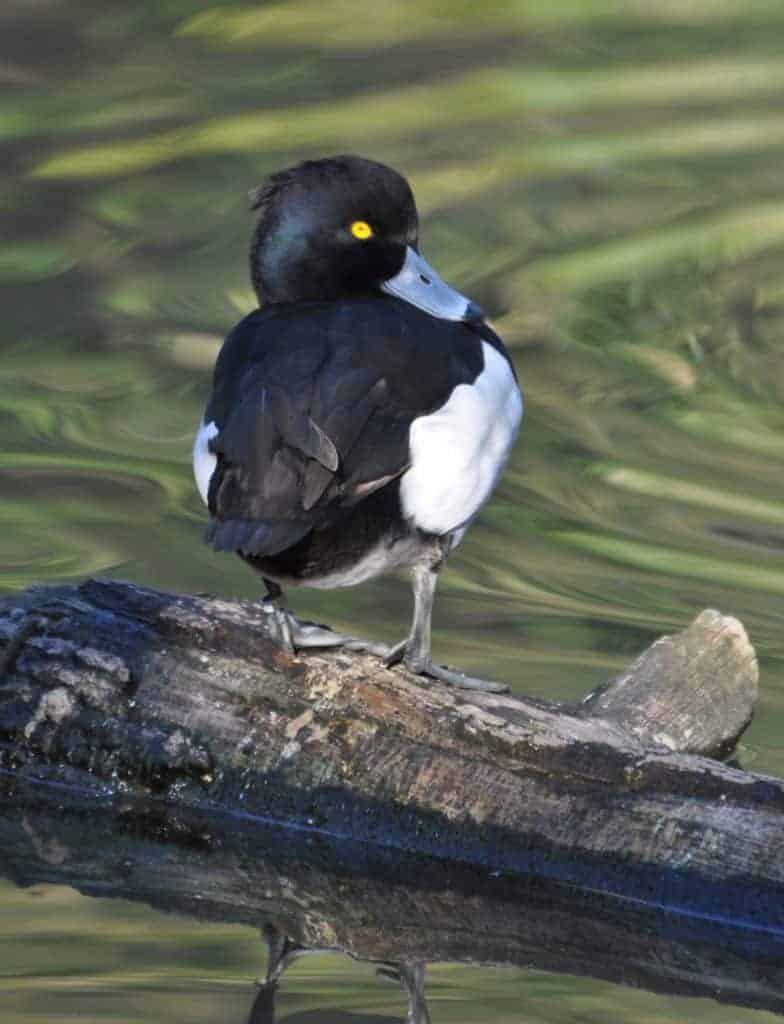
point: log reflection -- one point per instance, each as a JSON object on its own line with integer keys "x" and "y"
{"x": 309, "y": 893}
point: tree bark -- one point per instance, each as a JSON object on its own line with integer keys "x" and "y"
{"x": 113, "y": 687}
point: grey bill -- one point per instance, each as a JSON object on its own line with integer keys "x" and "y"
{"x": 420, "y": 285}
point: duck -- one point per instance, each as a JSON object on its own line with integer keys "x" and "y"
{"x": 362, "y": 415}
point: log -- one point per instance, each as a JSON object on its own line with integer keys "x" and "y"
{"x": 188, "y": 700}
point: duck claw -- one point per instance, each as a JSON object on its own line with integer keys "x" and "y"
{"x": 460, "y": 680}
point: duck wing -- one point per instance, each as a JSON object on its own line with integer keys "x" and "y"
{"x": 311, "y": 412}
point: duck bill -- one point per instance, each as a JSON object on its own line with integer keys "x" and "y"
{"x": 419, "y": 284}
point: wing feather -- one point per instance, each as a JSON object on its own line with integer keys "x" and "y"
{"x": 299, "y": 430}
{"x": 313, "y": 417}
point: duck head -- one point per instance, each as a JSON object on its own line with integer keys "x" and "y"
{"x": 341, "y": 227}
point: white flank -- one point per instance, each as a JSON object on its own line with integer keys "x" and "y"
{"x": 203, "y": 460}
{"x": 459, "y": 452}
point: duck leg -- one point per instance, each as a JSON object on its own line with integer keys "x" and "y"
{"x": 414, "y": 651}
{"x": 273, "y": 604}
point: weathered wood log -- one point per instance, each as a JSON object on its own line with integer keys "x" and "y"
{"x": 188, "y": 699}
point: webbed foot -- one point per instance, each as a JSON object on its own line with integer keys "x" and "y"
{"x": 294, "y": 634}
{"x": 425, "y": 666}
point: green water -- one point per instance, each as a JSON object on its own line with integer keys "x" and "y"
{"x": 603, "y": 177}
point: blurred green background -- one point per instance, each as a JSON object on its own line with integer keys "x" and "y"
{"x": 603, "y": 177}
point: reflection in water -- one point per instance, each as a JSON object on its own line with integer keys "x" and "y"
{"x": 307, "y": 893}
{"x": 283, "y": 952}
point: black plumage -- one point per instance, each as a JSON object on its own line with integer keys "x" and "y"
{"x": 314, "y": 405}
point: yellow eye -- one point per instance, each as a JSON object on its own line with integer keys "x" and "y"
{"x": 361, "y": 229}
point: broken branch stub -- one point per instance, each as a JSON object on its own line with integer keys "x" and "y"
{"x": 693, "y": 693}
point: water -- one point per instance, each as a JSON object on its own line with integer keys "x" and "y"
{"x": 603, "y": 178}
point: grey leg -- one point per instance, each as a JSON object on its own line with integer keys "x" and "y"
{"x": 274, "y": 604}
{"x": 415, "y": 651}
